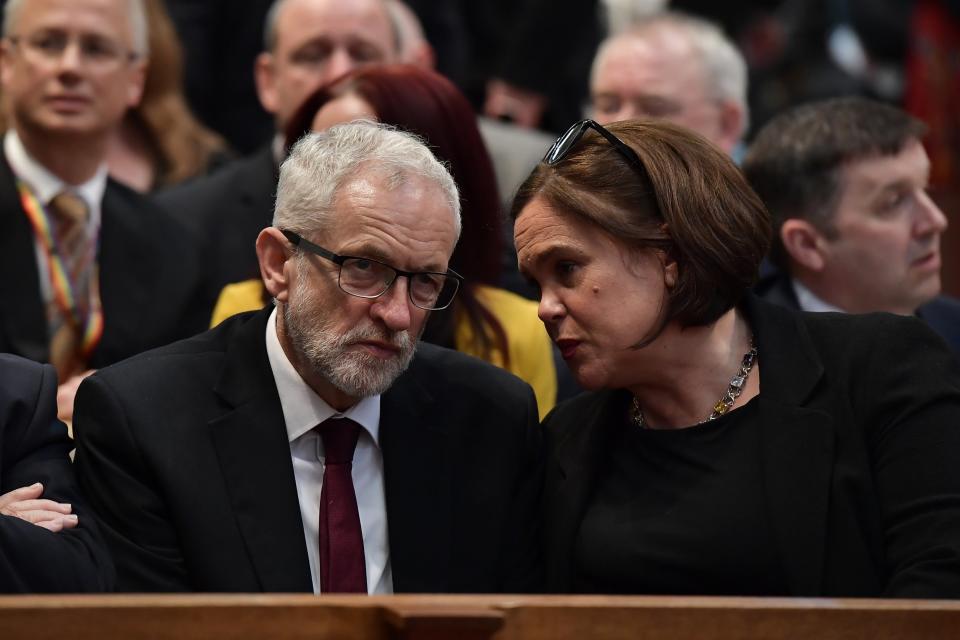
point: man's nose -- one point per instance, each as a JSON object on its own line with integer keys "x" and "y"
{"x": 71, "y": 58}
{"x": 393, "y": 307}
{"x": 339, "y": 63}
{"x": 931, "y": 218}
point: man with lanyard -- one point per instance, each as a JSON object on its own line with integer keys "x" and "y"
{"x": 93, "y": 272}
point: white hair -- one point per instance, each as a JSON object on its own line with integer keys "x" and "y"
{"x": 321, "y": 163}
{"x": 136, "y": 10}
{"x": 407, "y": 27}
{"x": 724, "y": 67}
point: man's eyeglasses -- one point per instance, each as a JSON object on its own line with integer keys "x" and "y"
{"x": 367, "y": 278}
{"x": 96, "y": 52}
{"x": 561, "y": 148}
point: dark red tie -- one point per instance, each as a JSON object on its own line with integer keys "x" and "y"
{"x": 342, "y": 566}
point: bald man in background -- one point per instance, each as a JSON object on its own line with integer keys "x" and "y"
{"x": 677, "y": 68}
{"x": 307, "y": 43}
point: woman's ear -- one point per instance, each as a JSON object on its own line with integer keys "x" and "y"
{"x": 670, "y": 272}
{"x": 273, "y": 254}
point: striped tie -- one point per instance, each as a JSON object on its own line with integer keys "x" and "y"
{"x": 69, "y": 217}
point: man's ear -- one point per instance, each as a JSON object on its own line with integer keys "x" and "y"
{"x": 803, "y": 243}
{"x": 137, "y": 83}
{"x": 732, "y": 124}
{"x": 264, "y": 74}
{"x": 273, "y": 254}
{"x": 5, "y": 63}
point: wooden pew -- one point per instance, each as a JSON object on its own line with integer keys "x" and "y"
{"x": 480, "y": 617}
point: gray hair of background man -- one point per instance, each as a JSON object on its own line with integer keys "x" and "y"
{"x": 795, "y": 161}
{"x": 138, "y": 23}
{"x": 270, "y": 35}
{"x": 724, "y": 67}
{"x": 320, "y": 163}
{"x": 408, "y": 31}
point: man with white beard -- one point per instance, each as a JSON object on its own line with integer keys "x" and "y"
{"x": 314, "y": 445}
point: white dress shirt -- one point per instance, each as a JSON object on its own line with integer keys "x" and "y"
{"x": 809, "y": 301}
{"x": 45, "y": 187}
{"x": 303, "y": 410}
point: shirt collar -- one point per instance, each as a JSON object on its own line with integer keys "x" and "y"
{"x": 302, "y": 408}
{"x": 45, "y": 185}
{"x": 809, "y": 301}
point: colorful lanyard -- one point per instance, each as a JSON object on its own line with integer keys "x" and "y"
{"x": 63, "y": 290}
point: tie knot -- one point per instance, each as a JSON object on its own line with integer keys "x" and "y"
{"x": 340, "y": 437}
{"x": 70, "y": 207}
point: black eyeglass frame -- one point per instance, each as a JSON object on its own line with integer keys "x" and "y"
{"x": 299, "y": 241}
{"x": 561, "y": 148}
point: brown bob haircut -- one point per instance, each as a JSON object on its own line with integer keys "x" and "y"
{"x": 692, "y": 203}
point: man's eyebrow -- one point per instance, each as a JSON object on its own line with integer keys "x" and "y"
{"x": 375, "y": 253}
{"x": 900, "y": 184}
{"x": 367, "y": 251}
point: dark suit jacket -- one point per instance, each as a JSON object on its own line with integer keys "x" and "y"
{"x": 149, "y": 283}
{"x": 227, "y": 210}
{"x": 184, "y": 455}
{"x": 34, "y": 447}
{"x": 860, "y": 440}
{"x": 942, "y": 313}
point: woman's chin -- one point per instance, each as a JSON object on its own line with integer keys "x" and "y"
{"x": 587, "y": 379}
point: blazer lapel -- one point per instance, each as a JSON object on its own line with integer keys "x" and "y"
{"x": 251, "y": 443}
{"x": 569, "y": 480}
{"x": 797, "y": 445}
{"x": 418, "y": 479}
{"x": 24, "y": 320}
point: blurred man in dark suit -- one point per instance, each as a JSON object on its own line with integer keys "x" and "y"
{"x": 93, "y": 272}
{"x": 307, "y": 43}
{"x": 855, "y": 229}
{"x": 48, "y": 540}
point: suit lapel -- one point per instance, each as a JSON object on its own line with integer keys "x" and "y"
{"x": 24, "y": 321}
{"x": 251, "y": 443}
{"x": 418, "y": 479}
{"x": 797, "y": 444}
{"x": 127, "y": 282}
{"x": 570, "y": 477}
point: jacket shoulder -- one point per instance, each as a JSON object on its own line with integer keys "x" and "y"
{"x": 448, "y": 373}
{"x": 166, "y": 363}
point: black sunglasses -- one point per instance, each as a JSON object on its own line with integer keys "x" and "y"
{"x": 561, "y": 148}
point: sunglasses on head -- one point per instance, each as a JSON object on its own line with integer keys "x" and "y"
{"x": 561, "y": 148}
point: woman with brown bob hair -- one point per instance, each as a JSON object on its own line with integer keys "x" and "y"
{"x": 725, "y": 446}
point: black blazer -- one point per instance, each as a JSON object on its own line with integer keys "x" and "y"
{"x": 860, "y": 441}
{"x": 942, "y": 313}
{"x": 226, "y": 210}
{"x": 34, "y": 447}
{"x": 149, "y": 285}
{"x": 183, "y": 453}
